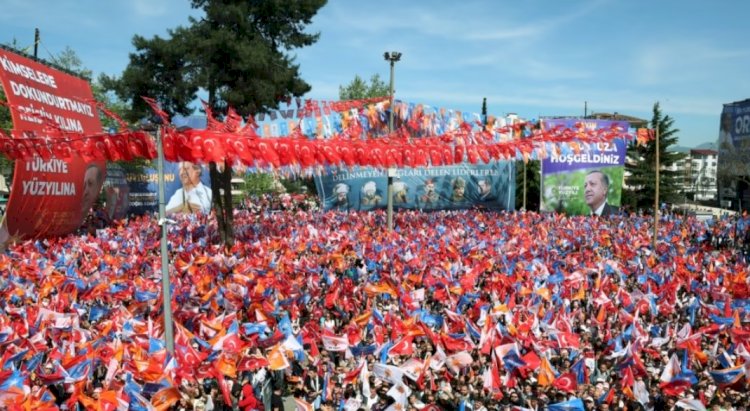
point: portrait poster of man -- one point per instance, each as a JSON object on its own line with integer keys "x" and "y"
{"x": 371, "y": 195}
{"x": 586, "y": 181}
{"x": 193, "y": 196}
{"x": 187, "y": 189}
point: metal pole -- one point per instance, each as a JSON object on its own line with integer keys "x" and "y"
{"x": 390, "y": 116}
{"x": 392, "y": 57}
{"x": 165, "y": 285}
{"x": 656, "y": 194}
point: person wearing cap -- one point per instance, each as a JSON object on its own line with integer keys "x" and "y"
{"x": 400, "y": 192}
{"x": 458, "y": 187}
{"x": 588, "y": 403}
{"x": 341, "y": 199}
{"x": 370, "y": 196}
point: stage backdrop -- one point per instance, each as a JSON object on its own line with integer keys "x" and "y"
{"x": 563, "y": 174}
{"x": 143, "y": 196}
{"x": 48, "y": 197}
{"x": 734, "y": 151}
{"x": 490, "y": 186}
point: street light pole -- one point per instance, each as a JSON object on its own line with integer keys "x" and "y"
{"x": 392, "y": 57}
{"x": 165, "y": 286}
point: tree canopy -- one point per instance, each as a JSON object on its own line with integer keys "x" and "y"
{"x": 239, "y": 53}
{"x": 640, "y": 177}
{"x": 359, "y": 89}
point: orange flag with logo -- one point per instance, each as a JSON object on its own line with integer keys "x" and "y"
{"x": 277, "y": 359}
{"x": 546, "y": 375}
{"x": 165, "y": 398}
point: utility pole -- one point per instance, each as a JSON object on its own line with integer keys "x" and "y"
{"x": 36, "y": 42}
{"x": 484, "y": 111}
{"x": 391, "y": 57}
{"x": 656, "y": 194}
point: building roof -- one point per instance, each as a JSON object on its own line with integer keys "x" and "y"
{"x": 635, "y": 122}
{"x": 703, "y": 152}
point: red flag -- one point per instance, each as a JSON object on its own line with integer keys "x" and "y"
{"x": 568, "y": 340}
{"x": 351, "y": 376}
{"x": 252, "y": 363}
{"x": 157, "y": 110}
{"x": 566, "y": 382}
{"x": 403, "y": 347}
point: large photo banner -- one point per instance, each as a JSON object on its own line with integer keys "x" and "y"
{"x": 734, "y": 149}
{"x": 187, "y": 189}
{"x": 734, "y": 132}
{"x": 490, "y": 186}
{"x": 588, "y": 181}
{"x": 49, "y": 197}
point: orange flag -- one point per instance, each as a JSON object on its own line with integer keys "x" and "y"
{"x": 276, "y": 359}
{"x": 165, "y": 398}
{"x": 546, "y": 375}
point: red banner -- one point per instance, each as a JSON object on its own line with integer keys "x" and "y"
{"x": 49, "y": 196}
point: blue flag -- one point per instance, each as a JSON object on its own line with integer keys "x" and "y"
{"x": 572, "y": 405}
{"x": 728, "y": 376}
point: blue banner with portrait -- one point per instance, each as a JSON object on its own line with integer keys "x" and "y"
{"x": 585, "y": 181}
{"x": 734, "y": 131}
{"x": 490, "y": 186}
{"x": 187, "y": 188}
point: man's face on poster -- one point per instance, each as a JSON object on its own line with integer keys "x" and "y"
{"x": 190, "y": 174}
{"x": 595, "y": 190}
{"x": 429, "y": 187}
{"x": 484, "y": 187}
{"x": 458, "y": 190}
{"x": 91, "y": 183}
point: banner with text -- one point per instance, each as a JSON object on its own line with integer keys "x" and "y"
{"x": 48, "y": 197}
{"x": 490, "y": 186}
{"x": 187, "y": 188}
{"x": 586, "y": 181}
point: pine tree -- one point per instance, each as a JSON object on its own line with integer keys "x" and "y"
{"x": 640, "y": 166}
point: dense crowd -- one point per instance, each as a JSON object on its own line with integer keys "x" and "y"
{"x": 460, "y": 310}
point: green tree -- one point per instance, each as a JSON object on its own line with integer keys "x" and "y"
{"x": 6, "y": 125}
{"x": 238, "y": 52}
{"x": 69, "y": 61}
{"x": 533, "y": 177}
{"x": 640, "y": 166}
{"x": 358, "y": 89}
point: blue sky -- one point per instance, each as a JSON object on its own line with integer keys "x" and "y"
{"x": 534, "y": 58}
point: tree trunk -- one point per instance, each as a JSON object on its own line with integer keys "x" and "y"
{"x": 223, "y": 207}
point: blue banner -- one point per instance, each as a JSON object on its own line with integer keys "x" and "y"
{"x": 734, "y": 131}
{"x": 585, "y": 181}
{"x": 490, "y": 186}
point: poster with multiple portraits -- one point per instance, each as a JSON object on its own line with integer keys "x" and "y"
{"x": 490, "y": 186}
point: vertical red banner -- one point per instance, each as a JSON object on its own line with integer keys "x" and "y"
{"x": 48, "y": 197}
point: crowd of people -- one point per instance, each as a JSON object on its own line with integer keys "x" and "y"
{"x": 453, "y": 310}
